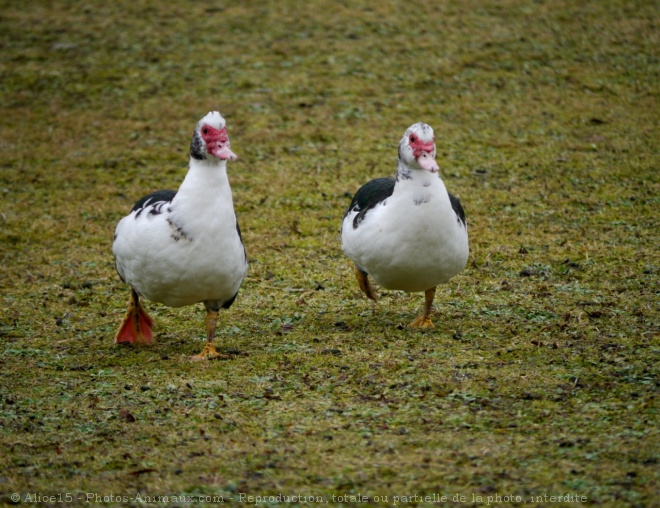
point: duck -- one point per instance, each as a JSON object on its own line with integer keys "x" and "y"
{"x": 407, "y": 233}
{"x": 184, "y": 247}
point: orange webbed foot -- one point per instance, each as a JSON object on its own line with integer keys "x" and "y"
{"x": 136, "y": 326}
{"x": 209, "y": 353}
{"x": 363, "y": 281}
{"x": 424, "y": 321}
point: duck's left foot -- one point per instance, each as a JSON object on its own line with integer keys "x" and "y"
{"x": 363, "y": 281}
{"x": 422, "y": 322}
{"x": 209, "y": 353}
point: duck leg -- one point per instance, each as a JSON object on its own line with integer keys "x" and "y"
{"x": 209, "y": 351}
{"x": 424, "y": 321}
{"x": 136, "y": 326}
{"x": 363, "y": 281}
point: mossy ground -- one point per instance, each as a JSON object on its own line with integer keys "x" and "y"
{"x": 540, "y": 376}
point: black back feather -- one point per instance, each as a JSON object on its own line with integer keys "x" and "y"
{"x": 368, "y": 196}
{"x": 162, "y": 196}
{"x": 240, "y": 237}
{"x": 458, "y": 208}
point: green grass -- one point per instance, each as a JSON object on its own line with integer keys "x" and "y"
{"x": 541, "y": 374}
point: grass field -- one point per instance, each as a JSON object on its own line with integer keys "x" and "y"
{"x": 541, "y": 375}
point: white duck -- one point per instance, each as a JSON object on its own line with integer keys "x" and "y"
{"x": 408, "y": 233}
{"x": 184, "y": 247}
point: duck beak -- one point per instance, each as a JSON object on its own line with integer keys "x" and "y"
{"x": 223, "y": 152}
{"x": 427, "y": 162}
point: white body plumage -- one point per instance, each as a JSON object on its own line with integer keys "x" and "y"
{"x": 190, "y": 252}
{"x": 412, "y": 240}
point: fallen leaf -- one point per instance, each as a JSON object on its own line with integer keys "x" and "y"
{"x": 126, "y": 416}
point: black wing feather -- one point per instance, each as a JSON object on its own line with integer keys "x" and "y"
{"x": 458, "y": 208}
{"x": 240, "y": 237}
{"x": 368, "y": 196}
{"x": 162, "y": 196}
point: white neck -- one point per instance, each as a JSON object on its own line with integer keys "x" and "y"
{"x": 204, "y": 176}
{"x": 406, "y": 174}
{"x": 204, "y": 196}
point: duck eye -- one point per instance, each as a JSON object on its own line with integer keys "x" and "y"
{"x": 205, "y": 130}
{"x": 412, "y": 138}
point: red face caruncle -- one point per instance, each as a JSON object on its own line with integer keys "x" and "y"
{"x": 212, "y": 134}
{"x": 423, "y": 153}
{"x": 217, "y": 142}
{"x": 418, "y": 146}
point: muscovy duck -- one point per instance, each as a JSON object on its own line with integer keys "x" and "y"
{"x": 407, "y": 232}
{"x": 184, "y": 247}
